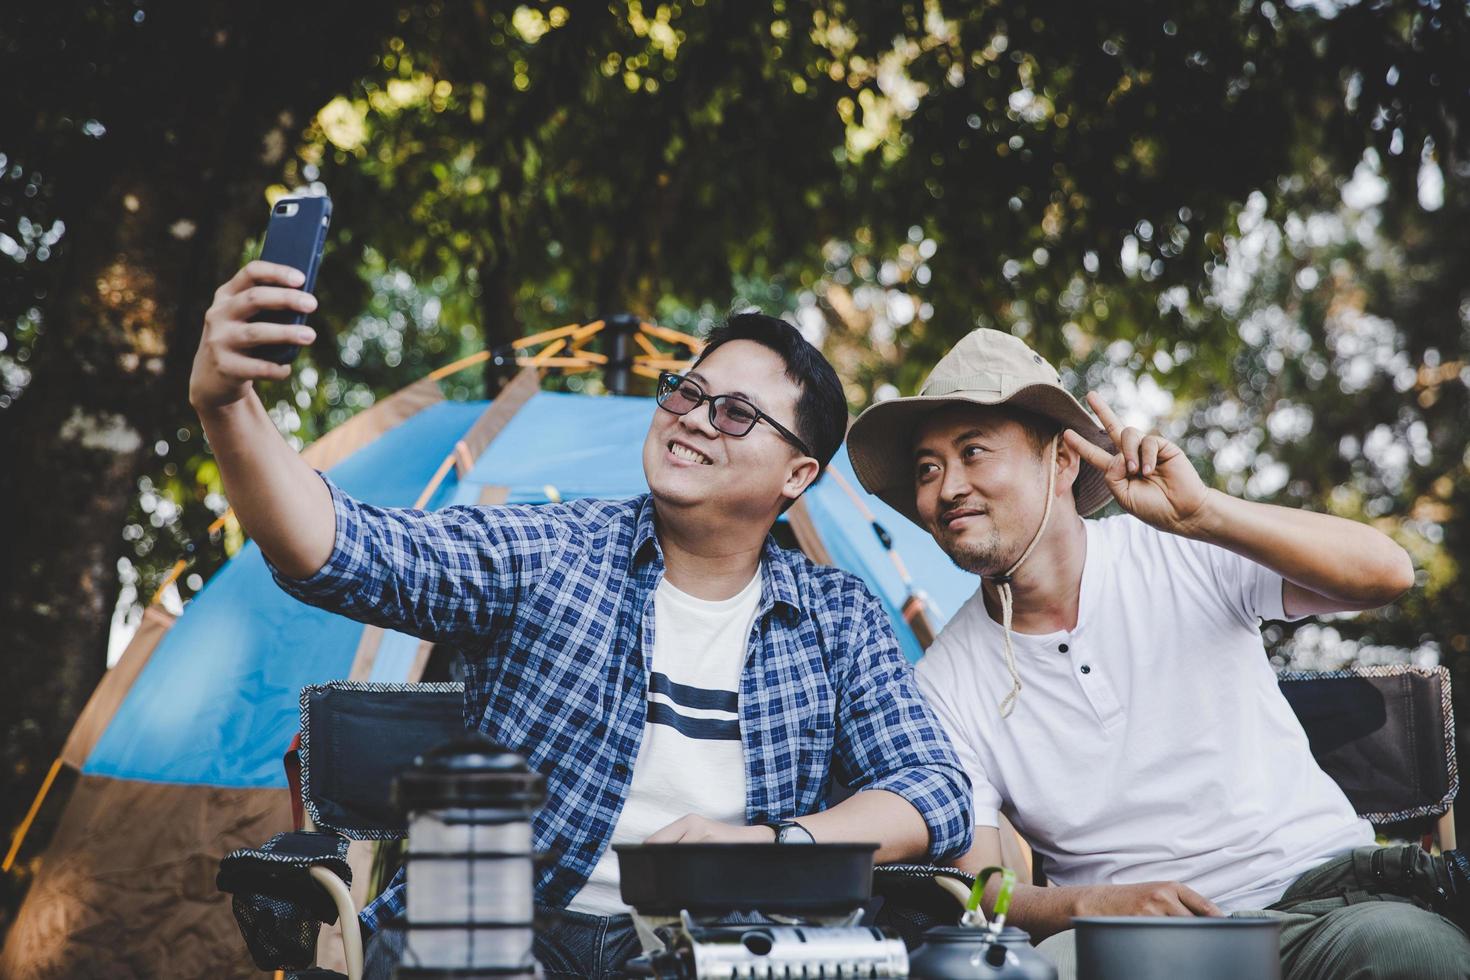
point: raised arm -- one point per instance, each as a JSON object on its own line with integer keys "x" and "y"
{"x": 448, "y": 575}
{"x": 1329, "y": 564}
{"x": 280, "y": 500}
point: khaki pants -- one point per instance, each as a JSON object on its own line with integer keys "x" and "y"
{"x": 1366, "y": 914}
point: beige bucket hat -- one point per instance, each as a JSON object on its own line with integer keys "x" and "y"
{"x": 987, "y": 367}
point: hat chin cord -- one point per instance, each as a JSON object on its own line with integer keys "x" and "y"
{"x": 1003, "y": 585}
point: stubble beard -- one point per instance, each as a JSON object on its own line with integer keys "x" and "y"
{"x": 976, "y": 557}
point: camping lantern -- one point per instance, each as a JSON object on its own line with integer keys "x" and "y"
{"x": 469, "y": 805}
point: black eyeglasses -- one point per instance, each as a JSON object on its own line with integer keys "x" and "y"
{"x": 730, "y": 414}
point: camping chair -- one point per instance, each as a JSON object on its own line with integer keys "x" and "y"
{"x": 1387, "y": 736}
{"x": 355, "y": 739}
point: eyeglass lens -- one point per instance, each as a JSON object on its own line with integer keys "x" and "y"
{"x": 732, "y": 416}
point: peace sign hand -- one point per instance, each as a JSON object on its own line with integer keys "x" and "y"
{"x": 1149, "y": 476}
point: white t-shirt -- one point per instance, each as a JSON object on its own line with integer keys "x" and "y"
{"x": 1152, "y": 742}
{"x": 691, "y": 759}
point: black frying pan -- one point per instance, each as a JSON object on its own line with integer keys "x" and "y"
{"x": 794, "y": 879}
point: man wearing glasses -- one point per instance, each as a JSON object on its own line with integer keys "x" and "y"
{"x": 675, "y": 675}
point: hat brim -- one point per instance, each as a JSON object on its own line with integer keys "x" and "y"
{"x": 880, "y": 442}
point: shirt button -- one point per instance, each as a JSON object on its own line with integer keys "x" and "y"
{"x": 620, "y": 770}
{"x": 1086, "y": 669}
{"x": 1064, "y": 648}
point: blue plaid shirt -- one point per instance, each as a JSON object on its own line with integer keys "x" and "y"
{"x": 552, "y": 607}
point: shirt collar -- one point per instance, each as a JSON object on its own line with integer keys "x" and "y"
{"x": 644, "y": 534}
{"x": 778, "y": 580}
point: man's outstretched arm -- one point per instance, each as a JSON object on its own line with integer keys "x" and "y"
{"x": 455, "y": 573}
{"x": 280, "y": 501}
{"x": 1045, "y": 911}
{"x": 1329, "y": 564}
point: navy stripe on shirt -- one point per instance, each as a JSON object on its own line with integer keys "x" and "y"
{"x": 693, "y": 697}
{"x": 713, "y": 729}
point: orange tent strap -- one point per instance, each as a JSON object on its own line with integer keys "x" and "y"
{"x": 464, "y": 462}
{"x": 546, "y": 352}
{"x": 170, "y": 579}
{"x": 654, "y": 368}
{"x": 647, "y": 345}
{"x": 459, "y": 365}
{"x": 663, "y": 361}
{"x": 545, "y": 335}
{"x": 587, "y": 331}
{"x": 672, "y": 336}
{"x": 543, "y": 361}
{"x": 862, "y": 505}
{"x": 25, "y": 825}
{"x": 435, "y": 480}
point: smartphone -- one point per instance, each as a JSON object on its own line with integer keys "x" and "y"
{"x": 295, "y": 236}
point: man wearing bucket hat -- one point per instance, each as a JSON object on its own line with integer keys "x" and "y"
{"x": 1107, "y": 685}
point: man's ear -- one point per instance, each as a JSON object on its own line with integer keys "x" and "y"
{"x": 802, "y": 474}
{"x": 1069, "y": 466}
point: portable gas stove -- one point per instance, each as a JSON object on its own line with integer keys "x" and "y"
{"x": 781, "y": 948}
{"x": 692, "y": 907}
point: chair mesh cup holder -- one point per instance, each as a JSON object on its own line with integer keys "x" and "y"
{"x": 279, "y": 907}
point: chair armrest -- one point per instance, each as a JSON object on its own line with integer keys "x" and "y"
{"x": 955, "y": 887}
{"x": 346, "y": 916}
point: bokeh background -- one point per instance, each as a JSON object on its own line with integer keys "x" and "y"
{"x": 1244, "y": 222}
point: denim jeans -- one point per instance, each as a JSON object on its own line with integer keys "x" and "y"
{"x": 576, "y": 944}
{"x": 568, "y": 944}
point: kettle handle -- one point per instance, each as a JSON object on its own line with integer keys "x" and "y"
{"x": 973, "y": 914}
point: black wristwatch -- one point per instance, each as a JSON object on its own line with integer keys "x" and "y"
{"x": 791, "y": 832}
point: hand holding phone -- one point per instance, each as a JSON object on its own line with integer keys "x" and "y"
{"x": 295, "y": 237}
{"x": 225, "y": 369}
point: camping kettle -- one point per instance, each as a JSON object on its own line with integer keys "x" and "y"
{"x": 976, "y": 948}
{"x": 955, "y": 952}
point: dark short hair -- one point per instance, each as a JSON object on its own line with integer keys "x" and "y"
{"x": 821, "y": 411}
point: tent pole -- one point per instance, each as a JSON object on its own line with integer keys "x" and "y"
{"x": 25, "y": 825}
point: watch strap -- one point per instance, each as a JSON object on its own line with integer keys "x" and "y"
{"x": 791, "y": 832}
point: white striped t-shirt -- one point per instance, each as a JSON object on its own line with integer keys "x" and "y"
{"x": 691, "y": 759}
